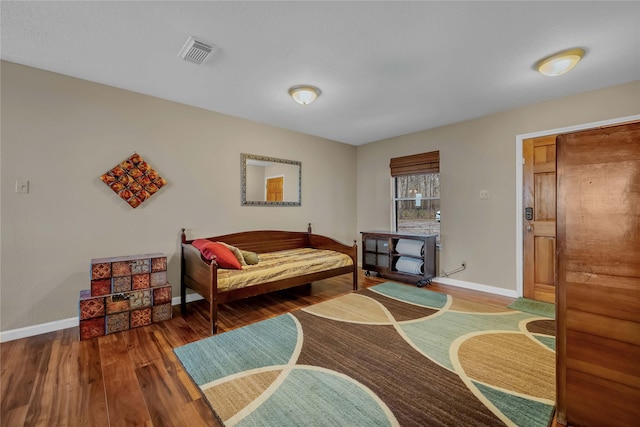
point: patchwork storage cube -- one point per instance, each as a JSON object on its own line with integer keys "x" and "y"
{"x": 159, "y": 264}
{"x": 140, "y": 266}
{"x": 121, "y": 284}
{"x": 141, "y": 317}
{"x": 126, "y": 292}
{"x": 100, "y": 270}
{"x": 91, "y": 307}
{"x": 161, "y": 312}
{"x": 140, "y": 299}
{"x": 92, "y": 328}
{"x": 117, "y": 322}
{"x": 122, "y": 274}
{"x": 158, "y": 278}
{"x": 142, "y": 281}
{"x": 121, "y": 268}
{"x": 117, "y": 303}
{"x": 162, "y": 295}
{"x": 100, "y": 287}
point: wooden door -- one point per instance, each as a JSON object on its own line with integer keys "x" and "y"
{"x": 539, "y": 232}
{"x": 598, "y": 300}
{"x": 275, "y": 189}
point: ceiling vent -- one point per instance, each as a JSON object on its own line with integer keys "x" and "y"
{"x": 196, "y": 51}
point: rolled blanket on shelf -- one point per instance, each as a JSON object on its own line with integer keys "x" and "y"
{"x": 410, "y": 265}
{"x": 410, "y": 247}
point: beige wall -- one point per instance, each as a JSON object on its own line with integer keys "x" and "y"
{"x": 477, "y": 155}
{"x": 62, "y": 133}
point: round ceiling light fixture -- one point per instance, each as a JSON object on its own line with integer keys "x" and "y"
{"x": 560, "y": 63}
{"x": 304, "y": 94}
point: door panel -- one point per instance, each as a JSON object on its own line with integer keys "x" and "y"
{"x": 598, "y": 299}
{"x": 545, "y": 196}
{"x": 539, "y": 193}
{"x": 545, "y": 249}
{"x": 275, "y": 189}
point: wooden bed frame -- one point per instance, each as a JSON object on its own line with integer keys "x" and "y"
{"x": 202, "y": 276}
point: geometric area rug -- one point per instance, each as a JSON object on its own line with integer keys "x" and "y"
{"x": 388, "y": 355}
{"x": 536, "y": 307}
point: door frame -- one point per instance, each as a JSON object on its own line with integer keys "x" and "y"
{"x": 519, "y": 187}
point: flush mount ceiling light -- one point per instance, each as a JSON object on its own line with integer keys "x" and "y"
{"x": 304, "y": 94}
{"x": 559, "y": 63}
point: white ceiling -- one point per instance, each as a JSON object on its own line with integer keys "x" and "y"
{"x": 384, "y": 68}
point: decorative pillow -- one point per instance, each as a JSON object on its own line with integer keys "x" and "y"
{"x": 250, "y": 258}
{"x": 236, "y": 252}
{"x": 224, "y": 257}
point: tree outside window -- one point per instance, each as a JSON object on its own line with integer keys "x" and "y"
{"x": 416, "y": 195}
{"x": 417, "y": 203}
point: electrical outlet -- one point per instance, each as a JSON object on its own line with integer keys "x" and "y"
{"x": 485, "y": 194}
{"x": 22, "y": 186}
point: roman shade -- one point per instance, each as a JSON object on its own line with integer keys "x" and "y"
{"x": 416, "y": 164}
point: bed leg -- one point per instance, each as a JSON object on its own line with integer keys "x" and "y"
{"x": 183, "y": 287}
{"x": 306, "y": 288}
{"x": 354, "y": 257}
{"x": 183, "y": 300}
{"x": 183, "y": 291}
{"x": 213, "y": 316}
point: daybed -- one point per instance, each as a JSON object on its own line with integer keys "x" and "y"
{"x": 287, "y": 259}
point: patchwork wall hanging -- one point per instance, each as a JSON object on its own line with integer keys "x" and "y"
{"x": 133, "y": 180}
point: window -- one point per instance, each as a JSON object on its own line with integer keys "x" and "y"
{"x": 416, "y": 198}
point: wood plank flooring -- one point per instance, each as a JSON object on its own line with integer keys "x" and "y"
{"x": 133, "y": 378}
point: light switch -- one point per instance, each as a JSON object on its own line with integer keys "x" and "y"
{"x": 22, "y": 186}
{"x": 484, "y": 194}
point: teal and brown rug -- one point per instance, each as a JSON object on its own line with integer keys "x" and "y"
{"x": 536, "y": 307}
{"x": 388, "y": 355}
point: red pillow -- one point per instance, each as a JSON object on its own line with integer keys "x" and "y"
{"x": 224, "y": 257}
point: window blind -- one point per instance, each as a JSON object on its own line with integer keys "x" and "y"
{"x": 416, "y": 164}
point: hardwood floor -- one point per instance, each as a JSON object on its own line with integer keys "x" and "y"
{"x": 133, "y": 378}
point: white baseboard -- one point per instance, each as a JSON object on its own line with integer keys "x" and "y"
{"x": 477, "y": 287}
{"x": 43, "y": 328}
{"x": 72, "y": 322}
{"x": 190, "y": 298}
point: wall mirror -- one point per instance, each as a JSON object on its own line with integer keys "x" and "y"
{"x": 267, "y": 181}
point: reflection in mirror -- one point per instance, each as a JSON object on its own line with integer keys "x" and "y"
{"x": 267, "y": 181}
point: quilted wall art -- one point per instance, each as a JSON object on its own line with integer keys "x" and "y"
{"x": 133, "y": 180}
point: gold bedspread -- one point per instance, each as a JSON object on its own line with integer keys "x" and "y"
{"x": 282, "y": 265}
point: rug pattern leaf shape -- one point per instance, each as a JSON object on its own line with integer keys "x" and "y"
{"x": 391, "y": 354}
